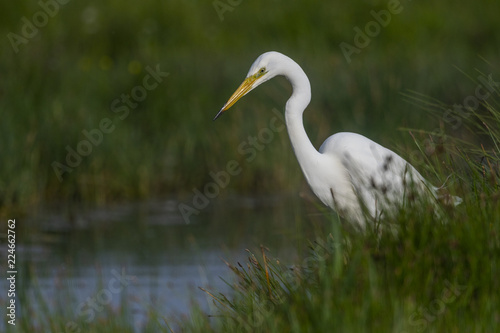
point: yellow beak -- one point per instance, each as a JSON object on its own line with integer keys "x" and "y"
{"x": 242, "y": 90}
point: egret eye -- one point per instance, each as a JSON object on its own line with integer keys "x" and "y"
{"x": 261, "y": 71}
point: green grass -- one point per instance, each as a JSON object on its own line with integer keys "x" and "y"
{"x": 392, "y": 284}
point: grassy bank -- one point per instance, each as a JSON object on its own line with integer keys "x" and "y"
{"x": 62, "y": 78}
{"x": 432, "y": 278}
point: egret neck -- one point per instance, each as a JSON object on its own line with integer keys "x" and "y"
{"x": 295, "y": 106}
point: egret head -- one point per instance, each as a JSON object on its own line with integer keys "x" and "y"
{"x": 263, "y": 69}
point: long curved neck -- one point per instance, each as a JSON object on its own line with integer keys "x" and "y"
{"x": 295, "y": 106}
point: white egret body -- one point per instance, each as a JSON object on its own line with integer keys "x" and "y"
{"x": 350, "y": 173}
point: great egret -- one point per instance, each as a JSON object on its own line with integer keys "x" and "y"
{"x": 350, "y": 173}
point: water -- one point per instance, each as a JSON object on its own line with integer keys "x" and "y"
{"x": 146, "y": 256}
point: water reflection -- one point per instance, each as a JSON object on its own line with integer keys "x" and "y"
{"x": 144, "y": 255}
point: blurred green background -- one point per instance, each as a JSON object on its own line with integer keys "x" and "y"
{"x": 66, "y": 74}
